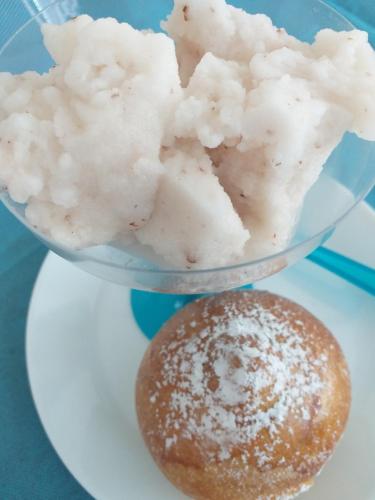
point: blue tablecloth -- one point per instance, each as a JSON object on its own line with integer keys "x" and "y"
{"x": 29, "y": 467}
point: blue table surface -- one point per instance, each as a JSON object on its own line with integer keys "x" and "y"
{"x": 29, "y": 467}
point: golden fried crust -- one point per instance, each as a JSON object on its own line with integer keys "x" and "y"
{"x": 243, "y": 395}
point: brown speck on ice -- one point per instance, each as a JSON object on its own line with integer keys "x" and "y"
{"x": 300, "y": 162}
{"x": 133, "y": 224}
{"x": 191, "y": 260}
{"x": 278, "y": 164}
{"x": 67, "y": 218}
{"x": 242, "y": 195}
{"x": 185, "y": 11}
{"x": 213, "y": 384}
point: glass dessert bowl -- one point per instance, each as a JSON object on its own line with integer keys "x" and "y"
{"x": 346, "y": 179}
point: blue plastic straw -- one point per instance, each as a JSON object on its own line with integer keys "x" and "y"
{"x": 350, "y": 270}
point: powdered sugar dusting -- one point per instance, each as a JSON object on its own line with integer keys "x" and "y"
{"x": 243, "y": 373}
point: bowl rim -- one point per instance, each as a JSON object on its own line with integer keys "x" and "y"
{"x": 79, "y": 255}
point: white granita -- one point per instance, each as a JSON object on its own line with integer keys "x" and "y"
{"x": 201, "y": 26}
{"x": 81, "y": 144}
{"x": 214, "y": 103}
{"x": 194, "y": 224}
{"x": 270, "y": 108}
{"x": 287, "y": 137}
{"x": 202, "y": 146}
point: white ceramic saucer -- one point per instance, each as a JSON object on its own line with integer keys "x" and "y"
{"x": 84, "y": 347}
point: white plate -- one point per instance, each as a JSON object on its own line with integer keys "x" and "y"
{"x": 84, "y": 347}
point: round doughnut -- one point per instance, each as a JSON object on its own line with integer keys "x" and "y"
{"x": 243, "y": 395}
